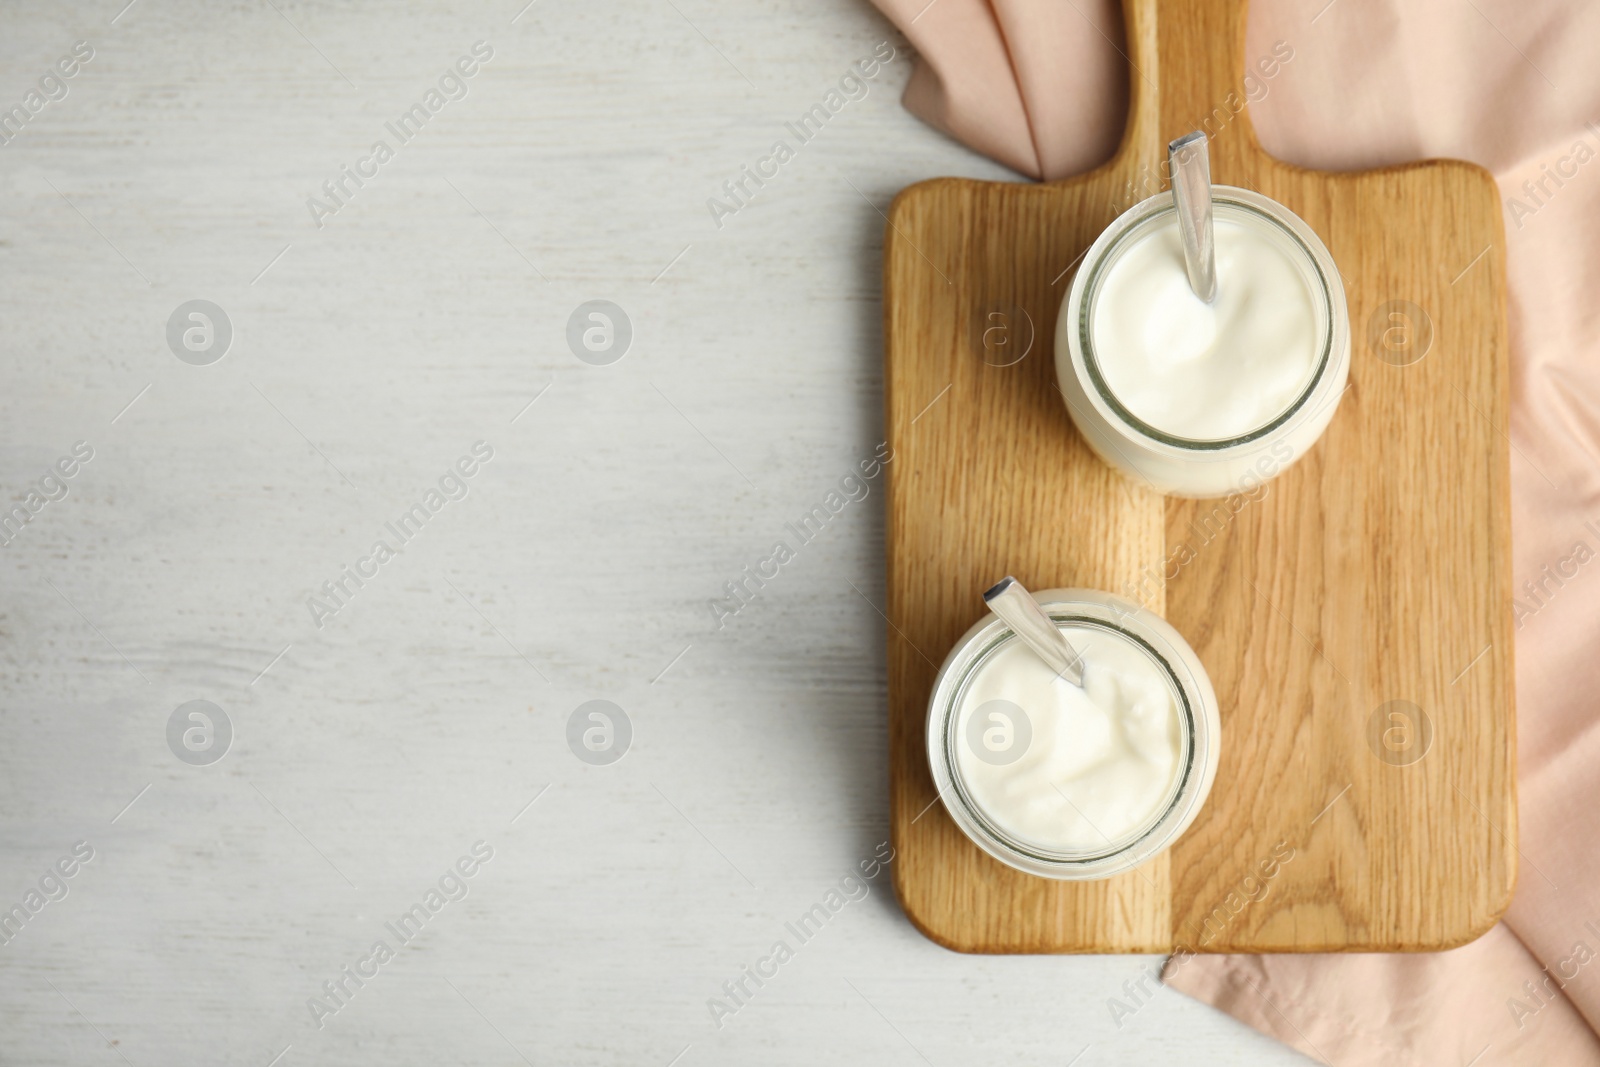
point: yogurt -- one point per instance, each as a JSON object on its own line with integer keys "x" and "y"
{"x": 1207, "y": 372}
{"x": 1067, "y": 782}
{"x": 1196, "y": 399}
{"x": 1066, "y": 769}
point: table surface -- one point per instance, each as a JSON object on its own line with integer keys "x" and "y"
{"x": 381, "y": 735}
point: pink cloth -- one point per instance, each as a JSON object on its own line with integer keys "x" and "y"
{"x": 1041, "y": 86}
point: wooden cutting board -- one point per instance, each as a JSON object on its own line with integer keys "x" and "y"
{"x": 1355, "y": 620}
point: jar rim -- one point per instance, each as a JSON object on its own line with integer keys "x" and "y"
{"x": 1132, "y": 224}
{"x": 1196, "y": 724}
{"x": 1127, "y": 841}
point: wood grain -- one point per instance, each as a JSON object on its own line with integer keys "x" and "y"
{"x": 1376, "y": 569}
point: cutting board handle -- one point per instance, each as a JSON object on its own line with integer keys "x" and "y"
{"x": 1188, "y": 72}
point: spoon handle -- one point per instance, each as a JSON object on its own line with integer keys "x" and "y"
{"x": 1018, "y": 610}
{"x": 1191, "y": 191}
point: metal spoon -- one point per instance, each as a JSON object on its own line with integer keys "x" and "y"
{"x": 1018, "y": 610}
{"x": 1190, "y": 160}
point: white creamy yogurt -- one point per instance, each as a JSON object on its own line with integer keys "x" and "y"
{"x": 1208, "y": 372}
{"x": 1088, "y": 768}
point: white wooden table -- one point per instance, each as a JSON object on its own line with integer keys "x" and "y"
{"x": 368, "y": 354}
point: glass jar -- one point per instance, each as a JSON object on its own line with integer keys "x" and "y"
{"x": 1183, "y": 466}
{"x": 1169, "y": 657}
